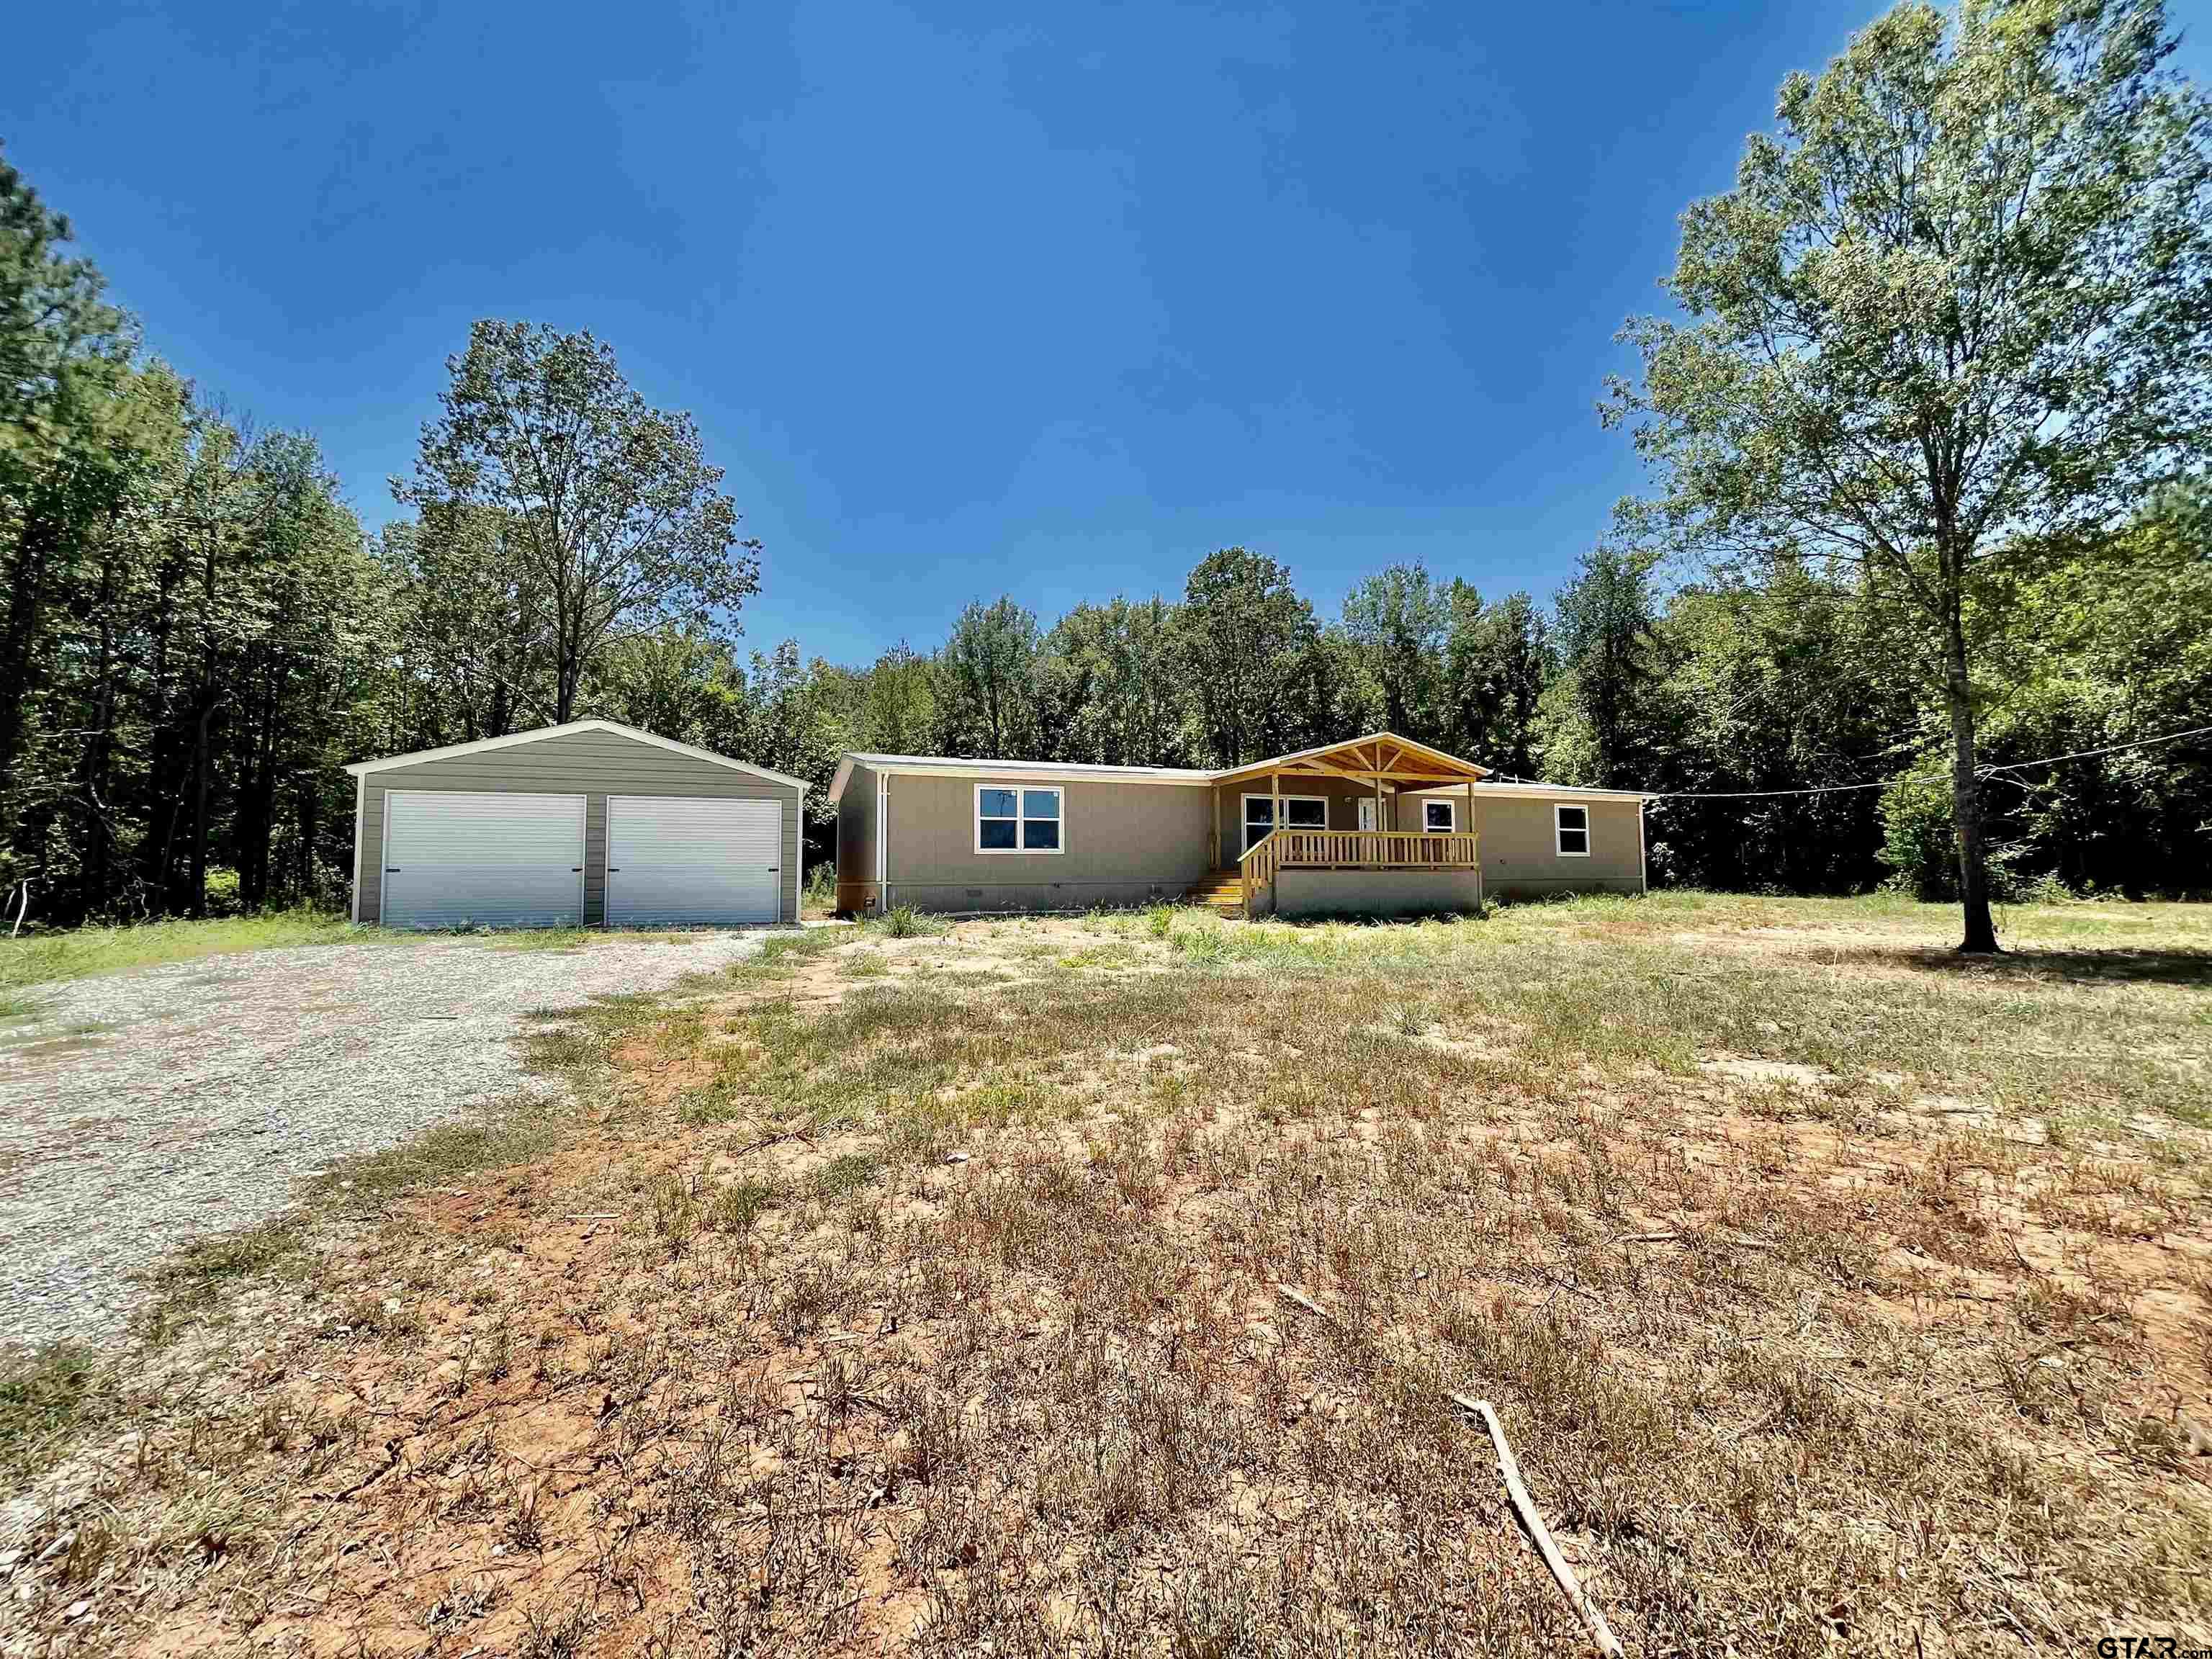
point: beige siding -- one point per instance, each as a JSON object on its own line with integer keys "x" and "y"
{"x": 1520, "y": 858}
{"x": 593, "y": 764}
{"x": 1125, "y": 843}
{"x": 856, "y": 842}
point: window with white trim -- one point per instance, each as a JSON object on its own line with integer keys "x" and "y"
{"x": 1440, "y": 817}
{"x": 1299, "y": 812}
{"x": 1022, "y": 819}
{"x": 1571, "y": 825}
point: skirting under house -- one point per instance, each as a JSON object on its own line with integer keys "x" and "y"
{"x": 1301, "y": 892}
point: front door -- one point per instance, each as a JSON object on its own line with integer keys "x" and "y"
{"x": 1299, "y": 812}
{"x": 1367, "y": 811}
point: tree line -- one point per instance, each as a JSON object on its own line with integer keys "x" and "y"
{"x": 1926, "y": 444}
{"x": 1711, "y": 688}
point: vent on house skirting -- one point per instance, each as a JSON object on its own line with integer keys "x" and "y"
{"x": 974, "y": 892}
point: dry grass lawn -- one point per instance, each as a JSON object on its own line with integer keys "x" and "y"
{"x": 1839, "y": 1296}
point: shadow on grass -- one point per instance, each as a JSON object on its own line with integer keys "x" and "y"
{"x": 2042, "y": 963}
{"x": 1320, "y": 919}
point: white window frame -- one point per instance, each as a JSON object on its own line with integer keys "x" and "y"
{"x": 1021, "y": 793}
{"x": 1559, "y": 828}
{"x": 1244, "y": 817}
{"x": 1451, "y": 809}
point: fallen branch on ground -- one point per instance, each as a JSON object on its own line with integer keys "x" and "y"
{"x": 1303, "y": 1300}
{"x": 806, "y": 1135}
{"x": 1533, "y": 1521}
{"x": 1670, "y": 1237}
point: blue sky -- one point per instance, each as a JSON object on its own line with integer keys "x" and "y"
{"x": 1044, "y": 299}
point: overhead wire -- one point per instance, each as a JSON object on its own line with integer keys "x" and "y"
{"x": 1884, "y": 783}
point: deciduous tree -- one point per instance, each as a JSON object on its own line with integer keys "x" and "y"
{"x": 987, "y": 690}
{"x": 1396, "y": 623}
{"x": 1954, "y": 318}
{"x": 606, "y": 505}
{"x": 1256, "y": 678}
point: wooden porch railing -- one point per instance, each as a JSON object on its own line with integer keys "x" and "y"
{"x": 1352, "y": 849}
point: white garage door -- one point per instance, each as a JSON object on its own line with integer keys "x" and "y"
{"x": 673, "y": 859}
{"x": 493, "y": 860}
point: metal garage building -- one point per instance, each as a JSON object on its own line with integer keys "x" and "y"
{"x": 586, "y": 823}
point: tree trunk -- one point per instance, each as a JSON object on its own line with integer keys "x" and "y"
{"x": 253, "y": 823}
{"x": 305, "y": 888}
{"x": 1966, "y": 802}
{"x": 19, "y": 640}
{"x": 97, "y": 890}
{"x": 203, "y": 777}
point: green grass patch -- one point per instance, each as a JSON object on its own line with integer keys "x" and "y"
{"x": 87, "y": 952}
{"x": 574, "y": 938}
{"x": 904, "y": 921}
{"x": 735, "y": 1208}
{"x": 846, "y": 1174}
{"x": 512, "y": 1131}
{"x": 193, "y": 1283}
{"x": 45, "y": 1395}
{"x": 781, "y": 954}
{"x": 546, "y": 939}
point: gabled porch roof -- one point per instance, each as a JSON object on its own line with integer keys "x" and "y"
{"x": 1378, "y": 757}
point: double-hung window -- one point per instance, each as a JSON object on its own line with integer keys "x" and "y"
{"x": 1299, "y": 812}
{"x": 1023, "y": 819}
{"x": 1571, "y": 825}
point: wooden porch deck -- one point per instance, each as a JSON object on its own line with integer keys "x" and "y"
{"x": 1232, "y": 890}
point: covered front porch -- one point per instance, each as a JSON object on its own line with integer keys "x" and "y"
{"x": 1319, "y": 831}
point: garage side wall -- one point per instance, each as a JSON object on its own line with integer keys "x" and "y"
{"x": 593, "y": 764}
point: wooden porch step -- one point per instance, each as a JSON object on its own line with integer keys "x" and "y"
{"x": 1222, "y": 890}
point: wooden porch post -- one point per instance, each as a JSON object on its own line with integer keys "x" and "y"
{"x": 1275, "y": 788}
{"x": 1376, "y": 851}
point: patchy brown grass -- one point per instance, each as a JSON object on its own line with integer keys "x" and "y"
{"x": 921, "y": 1292}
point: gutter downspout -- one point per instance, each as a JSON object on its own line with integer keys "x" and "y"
{"x": 360, "y": 803}
{"x": 1643, "y": 863}
{"x": 882, "y": 842}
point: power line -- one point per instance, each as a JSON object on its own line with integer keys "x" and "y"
{"x": 2110, "y": 748}
{"x": 1985, "y": 772}
{"x": 1772, "y": 794}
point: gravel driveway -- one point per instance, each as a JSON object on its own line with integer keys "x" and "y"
{"x": 148, "y": 1108}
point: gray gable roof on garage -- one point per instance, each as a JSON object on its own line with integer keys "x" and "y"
{"x": 485, "y": 745}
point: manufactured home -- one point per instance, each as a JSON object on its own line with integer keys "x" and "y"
{"x": 1375, "y": 825}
